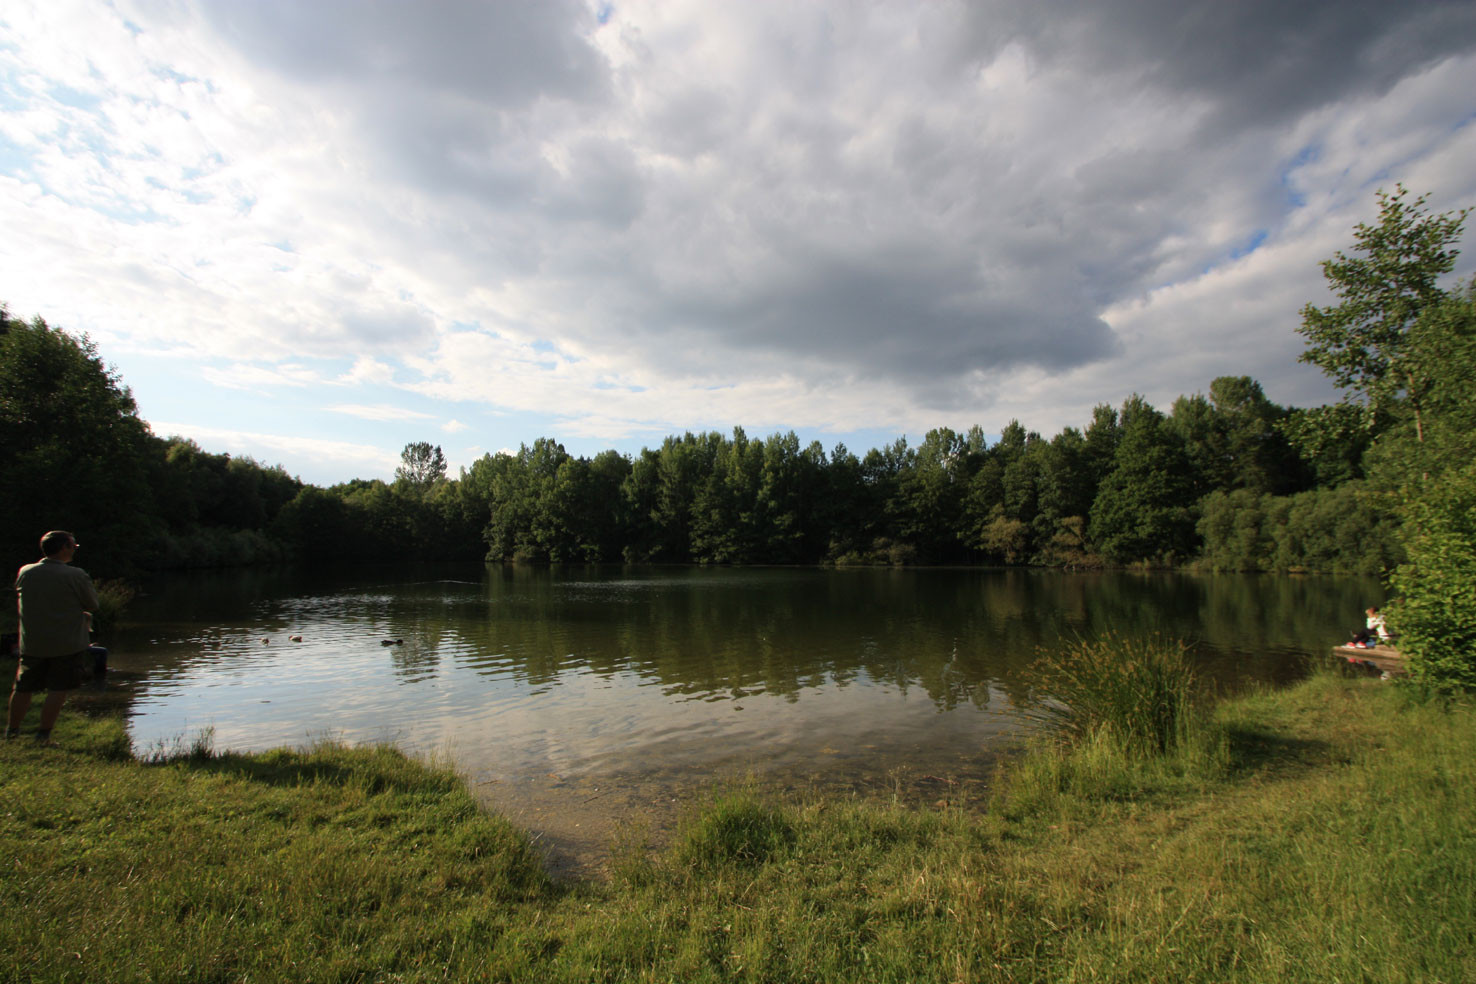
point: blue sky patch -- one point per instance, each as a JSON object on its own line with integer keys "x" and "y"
{"x": 1251, "y": 245}
{"x": 75, "y": 98}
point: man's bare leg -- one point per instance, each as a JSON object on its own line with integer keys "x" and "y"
{"x": 49, "y": 710}
{"x": 20, "y": 703}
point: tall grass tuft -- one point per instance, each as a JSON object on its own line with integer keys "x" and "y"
{"x": 115, "y": 597}
{"x": 739, "y": 829}
{"x": 1139, "y": 691}
{"x": 1125, "y": 727}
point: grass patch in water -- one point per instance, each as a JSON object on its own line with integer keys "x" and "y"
{"x": 1140, "y": 692}
{"x": 1124, "y": 723}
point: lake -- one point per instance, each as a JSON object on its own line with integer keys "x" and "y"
{"x": 571, "y": 695}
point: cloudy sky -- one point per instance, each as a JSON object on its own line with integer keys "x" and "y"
{"x": 314, "y": 230}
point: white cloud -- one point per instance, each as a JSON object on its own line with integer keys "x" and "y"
{"x": 809, "y": 216}
{"x": 368, "y": 370}
{"x": 259, "y": 377}
{"x": 453, "y": 427}
{"x": 365, "y": 459}
{"x": 383, "y": 411}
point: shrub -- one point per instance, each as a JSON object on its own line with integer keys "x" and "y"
{"x": 1436, "y": 618}
{"x": 1348, "y": 530}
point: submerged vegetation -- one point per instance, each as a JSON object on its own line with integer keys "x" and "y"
{"x": 1327, "y": 838}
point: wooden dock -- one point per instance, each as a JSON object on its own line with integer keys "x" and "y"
{"x": 1383, "y": 657}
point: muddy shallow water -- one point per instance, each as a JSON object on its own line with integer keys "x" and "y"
{"x": 578, "y": 699}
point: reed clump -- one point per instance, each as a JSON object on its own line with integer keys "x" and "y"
{"x": 1125, "y": 720}
{"x": 1141, "y": 692}
{"x": 115, "y": 597}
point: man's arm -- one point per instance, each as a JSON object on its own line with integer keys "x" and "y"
{"x": 87, "y": 593}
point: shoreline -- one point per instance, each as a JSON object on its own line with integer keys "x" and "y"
{"x": 1339, "y": 795}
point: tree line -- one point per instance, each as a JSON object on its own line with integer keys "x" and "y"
{"x": 1123, "y": 489}
{"x": 1133, "y": 485}
{"x": 1227, "y": 479}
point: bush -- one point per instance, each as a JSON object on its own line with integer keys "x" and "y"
{"x": 1436, "y": 617}
{"x": 1347, "y": 530}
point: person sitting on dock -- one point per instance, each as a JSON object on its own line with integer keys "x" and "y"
{"x": 1374, "y": 629}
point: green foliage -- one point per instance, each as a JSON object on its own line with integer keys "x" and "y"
{"x": 1436, "y": 618}
{"x": 422, "y": 465}
{"x": 929, "y": 493}
{"x": 1441, "y": 354}
{"x": 1347, "y": 530}
{"x": 1143, "y": 509}
{"x": 211, "y": 547}
{"x": 738, "y": 829}
{"x": 115, "y": 597}
{"x": 1362, "y": 341}
{"x": 1330, "y": 440}
{"x": 1065, "y": 485}
{"x": 1138, "y": 692}
{"x": 372, "y": 521}
{"x": 1123, "y": 490}
{"x": 1004, "y": 540}
{"x": 314, "y": 524}
{"x": 1408, "y": 349}
{"x": 547, "y": 505}
{"x": 1233, "y": 439}
{"x": 215, "y": 509}
{"x": 72, "y": 449}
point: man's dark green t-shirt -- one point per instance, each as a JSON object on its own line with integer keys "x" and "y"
{"x": 54, "y": 600}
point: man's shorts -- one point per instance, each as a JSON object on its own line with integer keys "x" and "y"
{"x": 50, "y": 672}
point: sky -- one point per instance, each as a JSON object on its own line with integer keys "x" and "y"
{"x": 313, "y": 232}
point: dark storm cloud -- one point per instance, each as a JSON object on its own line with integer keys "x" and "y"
{"x": 1258, "y": 61}
{"x": 822, "y": 196}
{"x": 504, "y": 55}
{"x": 898, "y": 317}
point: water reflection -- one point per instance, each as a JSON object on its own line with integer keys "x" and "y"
{"x": 585, "y": 671}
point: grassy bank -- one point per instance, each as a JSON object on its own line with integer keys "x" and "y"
{"x": 1324, "y": 834}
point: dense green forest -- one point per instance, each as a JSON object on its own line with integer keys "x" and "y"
{"x": 1134, "y": 485}
{"x": 1226, "y": 479}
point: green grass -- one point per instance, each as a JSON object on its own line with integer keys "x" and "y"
{"x": 1126, "y": 723}
{"x": 1137, "y": 694}
{"x": 1321, "y": 833}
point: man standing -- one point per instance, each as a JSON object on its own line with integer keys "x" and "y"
{"x": 56, "y": 602}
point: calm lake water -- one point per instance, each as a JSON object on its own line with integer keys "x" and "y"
{"x": 635, "y": 683}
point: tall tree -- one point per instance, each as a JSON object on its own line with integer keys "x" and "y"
{"x": 1361, "y": 341}
{"x": 1143, "y": 507}
{"x": 72, "y": 449}
{"x": 421, "y": 466}
{"x": 1233, "y": 441}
